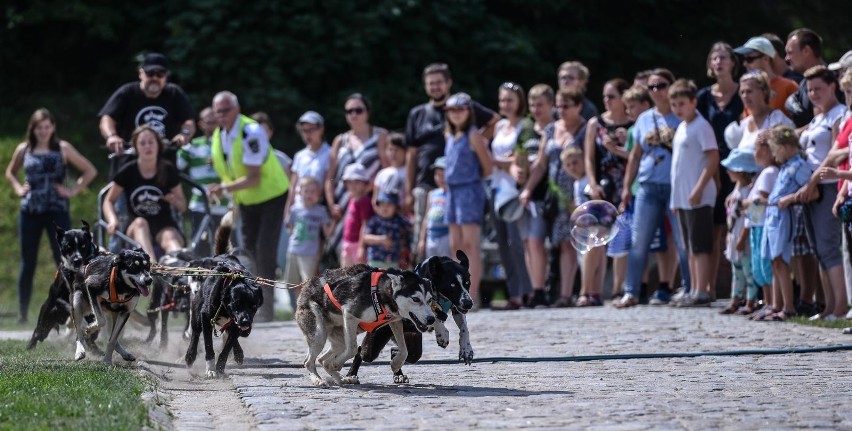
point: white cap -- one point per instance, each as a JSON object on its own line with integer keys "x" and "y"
{"x": 355, "y": 171}
{"x": 845, "y": 62}
{"x": 757, "y": 44}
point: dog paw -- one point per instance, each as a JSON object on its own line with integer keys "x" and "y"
{"x": 128, "y": 357}
{"x": 350, "y": 380}
{"x": 442, "y": 338}
{"x": 466, "y": 355}
{"x": 400, "y": 378}
{"x": 91, "y": 328}
{"x": 107, "y": 361}
{"x": 80, "y": 354}
{"x": 211, "y": 374}
{"x": 319, "y": 382}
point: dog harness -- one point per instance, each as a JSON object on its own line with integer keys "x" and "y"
{"x": 382, "y": 317}
{"x": 113, "y": 295}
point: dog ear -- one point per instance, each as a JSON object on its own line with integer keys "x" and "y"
{"x": 462, "y": 258}
{"x": 396, "y": 281}
{"x": 59, "y": 232}
{"x": 85, "y": 226}
{"x": 433, "y": 265}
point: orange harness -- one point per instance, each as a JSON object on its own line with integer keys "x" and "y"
{"x": 382, "y": 317}
{"x": 113, "y": 295}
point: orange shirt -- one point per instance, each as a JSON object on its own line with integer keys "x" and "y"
{"x": 781, "y": 89}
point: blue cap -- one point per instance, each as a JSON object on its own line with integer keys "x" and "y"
{"x": 458, "y": 100}
{"x": 311, "y": 117}
{"x": 440, "y": 163}
{"x": 740, "y": 161}
{"x": 388, "y": 197}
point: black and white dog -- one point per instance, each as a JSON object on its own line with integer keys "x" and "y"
{"x": 109, "y": 286}
{"x": 450, "y": 282}
{"x": 77, "y": 248}
{"x": 230, "y": 301}
{"x": 170, "y": 293}
{"x": 345, "y": 301}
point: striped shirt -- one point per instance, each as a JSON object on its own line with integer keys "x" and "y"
{"x": 195, "y": 159}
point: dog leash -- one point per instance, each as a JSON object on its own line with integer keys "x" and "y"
{"x": 180, "y": 270}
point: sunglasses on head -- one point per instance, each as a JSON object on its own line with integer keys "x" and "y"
{"x": 156, "y": 73}
{"x": 359, "y": 110}
{"x": 658, "y": 87}
{"x": 508, "y": 85}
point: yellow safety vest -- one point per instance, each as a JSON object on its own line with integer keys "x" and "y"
{"x": 273, "y": 180}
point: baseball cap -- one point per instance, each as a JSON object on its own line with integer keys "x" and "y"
{"x": 154, "y": 61}
{"x": 740, "y": 161}
{"x": 311, "y": 117}
{"x": 757, "y": 44}
{"x": 356, "y": 172}
{"x": 388, "y": 197}
{"x": 458, "y": 100}
{"x": 845, "y": 62}
{"x": 440, "y": 163}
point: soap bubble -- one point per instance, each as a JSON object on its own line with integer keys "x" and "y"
{"x": 593, "y": 224}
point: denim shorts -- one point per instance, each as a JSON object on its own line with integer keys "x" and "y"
{"x": 533, "y": 224}
{"x": 465, "y": 204}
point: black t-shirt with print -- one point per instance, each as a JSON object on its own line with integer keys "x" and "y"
{"x": 145, "y": 195}
{"x": 130, "y": 108}
{"x": 425, "y": 131}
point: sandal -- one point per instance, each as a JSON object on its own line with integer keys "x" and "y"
{"x": 732, "y": 308}
{"x": 582, "y": 301}
{"x": 781, "y": 316}
{"x": 747, "y": 309}
{"x": 595, "y": 301}
{"x": 563, "y": 302}
{"x": 764, "y": 313}
{"x": 626, "y": 301}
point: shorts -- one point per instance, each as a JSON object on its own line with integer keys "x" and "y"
{"x": 696, "y": 230}
{"x": 438, "y": 246}
{"x": 620, "y": 244}
{"x": 349, "y": 253}
{"x": 761, "y": 267}
{"x": 802, "y": 245}
{"x": 532, "y": 224}
{"x": 824, "y": 228}
{"x": 300, "y": 268}
{"x": 465, "y": 204}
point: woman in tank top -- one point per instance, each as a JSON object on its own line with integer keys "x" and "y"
{"x": 44, "y": 193}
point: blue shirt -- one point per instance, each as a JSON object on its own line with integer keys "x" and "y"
{"x": 397, "y": 228}
{"x": 462, "y": 164}
{"x": 792, "y": 175}
{"x": 656, "y": 164}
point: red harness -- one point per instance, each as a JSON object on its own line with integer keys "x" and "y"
{"x": 113, "y": 295}
{"x": 382, "y": 317}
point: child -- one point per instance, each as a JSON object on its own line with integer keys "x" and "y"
{"x": 561, "y": 235}
{"x": 358, "y": 211}
{"x": 594, "y": 259}
{"x": 194, "y": 159}
{"x": 387, "y": 235}
{"x": 435, "y": 234}
{"x": 304, "y": 222}
{"x": 468, "y": 161}
{"x": 392, "y": 178}
{"x": 777, "y": 242}
{"x": 755, "y": 205}
{"x": 695, "y": 160}
{"x": 741, "y": 168}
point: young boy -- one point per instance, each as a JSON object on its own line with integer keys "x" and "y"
{"x": 392, "y": 178}
{"x": 194, "y": 159}
{"x": 305, "y": 221}
{"x": 358, "y": 211}
{"x": 387, "y": 235}
{"x": 435, "y": 233}
{"x": 695, "y": 159}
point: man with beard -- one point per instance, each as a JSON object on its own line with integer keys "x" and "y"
{"x": 152, "y": 101}
{"x": 424, "y": 138}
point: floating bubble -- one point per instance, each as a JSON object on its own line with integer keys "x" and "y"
{"x": 593, "y": 224}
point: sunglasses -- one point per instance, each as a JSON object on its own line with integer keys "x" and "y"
{"x": 359, "y": 110}
{"x": 508, "y": 85}
{"x": 751, "y": 58}
{"x": 156, "y": 73}
{"x": 658, "y": 87}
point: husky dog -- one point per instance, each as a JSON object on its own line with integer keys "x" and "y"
{"x": 170, "y": 293}
{"x": 359, "y": 298}
{"x": 109, "y": 285}
{"x": 230, "y": 301}
{"x": 77, "y": 248}
{"x": 450, "y": 282}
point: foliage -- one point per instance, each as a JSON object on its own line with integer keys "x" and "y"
{"x": 41, "y": 391}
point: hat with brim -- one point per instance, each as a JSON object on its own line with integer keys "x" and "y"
{"x": 740, "y": 160}
{"x": 355, "y": 172}
{"x": 154, "y": 61}
{"x": 458, "y": 100}
{"x": 757, "y": 44}
{"x": 845, "y": 62}
{"x": 311, "y": 117}
{"x": 440, "y": 163}
{"x": 388, "y": 197}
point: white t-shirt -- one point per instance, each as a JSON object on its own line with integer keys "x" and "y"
{"x": 391, "y": 180}
{"x": 255, "y": 142}
{"x": 307, "y": 163}
{"x": 691, "y": 141}
{"x": 580, "y": 191}
{"x": 816, "y": 139}
{"x": 763, "y": 184}
{"x": 775, "y": 118}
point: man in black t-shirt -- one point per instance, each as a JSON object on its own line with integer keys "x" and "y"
{"x": 424, "y": 138}
{"x": 152, "y": 101}
{"x": 804, "y": 50}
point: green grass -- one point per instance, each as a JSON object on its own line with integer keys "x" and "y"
{"x": 40, "y": 391}
{"x": 836, "y": 324}
{"x": 83, "y": 206}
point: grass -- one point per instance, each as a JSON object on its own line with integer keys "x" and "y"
{"x": 40, "y": 391}
{"x": 836, "y": 324}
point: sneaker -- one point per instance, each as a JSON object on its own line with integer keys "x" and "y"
{"x": 538, "y": 300}
{"x": 626, "y": 301}
{"x": 700, "y": 299}
{"x": 660, "y": 297}
{"x": 680, "y": 295}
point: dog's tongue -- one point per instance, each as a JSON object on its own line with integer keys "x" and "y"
{"x": 143, "y": 289}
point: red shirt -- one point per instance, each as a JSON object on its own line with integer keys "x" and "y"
{"x": 843, "y": 142}
{"x": 357, "y": 213}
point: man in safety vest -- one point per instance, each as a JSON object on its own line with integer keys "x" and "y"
{"x": 250, "y": 172}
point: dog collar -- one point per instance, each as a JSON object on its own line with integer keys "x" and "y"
{"x": 382, "y": 317}
{"x": 445, "y": 303}
{"x": 113, "y": 295}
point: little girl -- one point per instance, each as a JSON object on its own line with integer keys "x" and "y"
{"x": 741, "y": 168}
{"x": 755, "y": 205}
{"x": 358, "y": 212}
{"x": 563, "y": 188}
{"x": 777, "y": 242}
{"x": 468, "y": 161}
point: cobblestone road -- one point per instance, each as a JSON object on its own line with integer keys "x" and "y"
{"x": 790, "y": 391}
